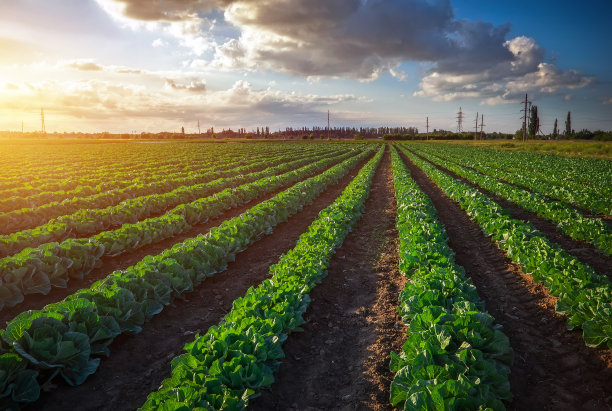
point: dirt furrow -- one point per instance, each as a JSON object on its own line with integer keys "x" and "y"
{"x": 138, "y": 364}
{"x": 583, "y": 251}
{"x": 553, "y": 369}
{"x": 340, "y": 361}
{"x": 120, "y": 262}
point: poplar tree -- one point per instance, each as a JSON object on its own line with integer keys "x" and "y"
{"x": 568, "y": 124}
{"x": 534, "y": 122}
{"x": 555, "y": 132}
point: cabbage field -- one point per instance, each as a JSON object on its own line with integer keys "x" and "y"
{"x": 303, "y": 275}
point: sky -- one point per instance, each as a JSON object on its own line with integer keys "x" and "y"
{"x": 126, "y": 66}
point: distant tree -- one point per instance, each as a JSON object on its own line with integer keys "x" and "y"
{"x": 568, "y": 124}
{"x": 584, "y": 134}
{"x": 534, "y": 122}
{"x": 183, "y": 131}
{"x": 555, "y": 133}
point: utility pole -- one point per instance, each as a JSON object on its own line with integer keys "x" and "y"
{"x": 328, "y": 124}
{"x": 198, "y": 127}
{"x": 525, "y": 115}
{"x": 427, "y": 135}
{"x": 476, "y": 132}
{"x": 42, "y": 122}
{"x": 481, "y": 124}
{"x": 21, "y": 126}
{"x": 459, "y": 121}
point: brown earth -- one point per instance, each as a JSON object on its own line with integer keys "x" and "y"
{"x": 583, "y": 251}
{"x": 138, "y": 364}
{"x": 553, "y": 369}
{"x": 340, "y": 361}
{"x": 127, "y": 259}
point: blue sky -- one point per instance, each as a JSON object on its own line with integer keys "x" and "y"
{"x": 136, "y": 65}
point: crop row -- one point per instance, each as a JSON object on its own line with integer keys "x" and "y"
{"x": 588, "y": 192}
{"x": 131, "y": 186}
{"x": 53, "y": 264}
{"x": 569, "y": 221}
{"x": 37, "y": 193}
{"x": 87, "y": 221}
{"x": 90, "y": 166}
{"x": 28, "y": 218}
{"x": 31, "y": 174}
{"x": 584, "y": 296}
{"x": 225, "y": 367}
{"x": 68, "y": 337}
{"x": 455, "y": 356}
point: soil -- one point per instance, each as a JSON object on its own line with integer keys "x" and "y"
{"x": 553, "y": 369}
{"x": 138, "y": 364}
{"x": 122, "y": 261}
{"x": 340, "y": 361}
{"x": 583, "y": 251}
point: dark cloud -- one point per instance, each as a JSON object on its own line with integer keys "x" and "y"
{"x": 363, "y": 38}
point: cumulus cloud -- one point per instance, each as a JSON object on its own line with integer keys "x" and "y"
{"x": 91, "y": 65}
{"x": 359, "y": 39}
{"x": 159, "y": 43}
{"x": 102, "y": 101}
{"x": 607, "y": 101}
{"x": 505, "y": 81}
{"x": 84, "y": 65}
{"x": 177, "y": 18}
{"x": 355, "y": 38}
{"x": 195, "y": 85}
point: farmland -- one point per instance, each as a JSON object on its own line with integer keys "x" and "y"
{"x": 303, "y": 275}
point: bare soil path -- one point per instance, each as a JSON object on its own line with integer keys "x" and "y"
{"x": 553, "y": 369}
{"x": 340, "y": 361}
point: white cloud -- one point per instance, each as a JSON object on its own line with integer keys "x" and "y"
{"x": 102, "y": 102}
{"x": 506, "y": 81}
{"x": 159, "y": 43}
{"x": 84, "y": 65}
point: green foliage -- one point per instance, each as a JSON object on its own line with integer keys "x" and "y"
{"x": 534, "y": 122}
{"x": 568, "y": 220}
{"x": 584, "y": 296}
{"x": 53, "y": 264}
{"x": 454, "y": 355}
{"x": 232, "y": 361}
{"x": 65, "y": 337}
